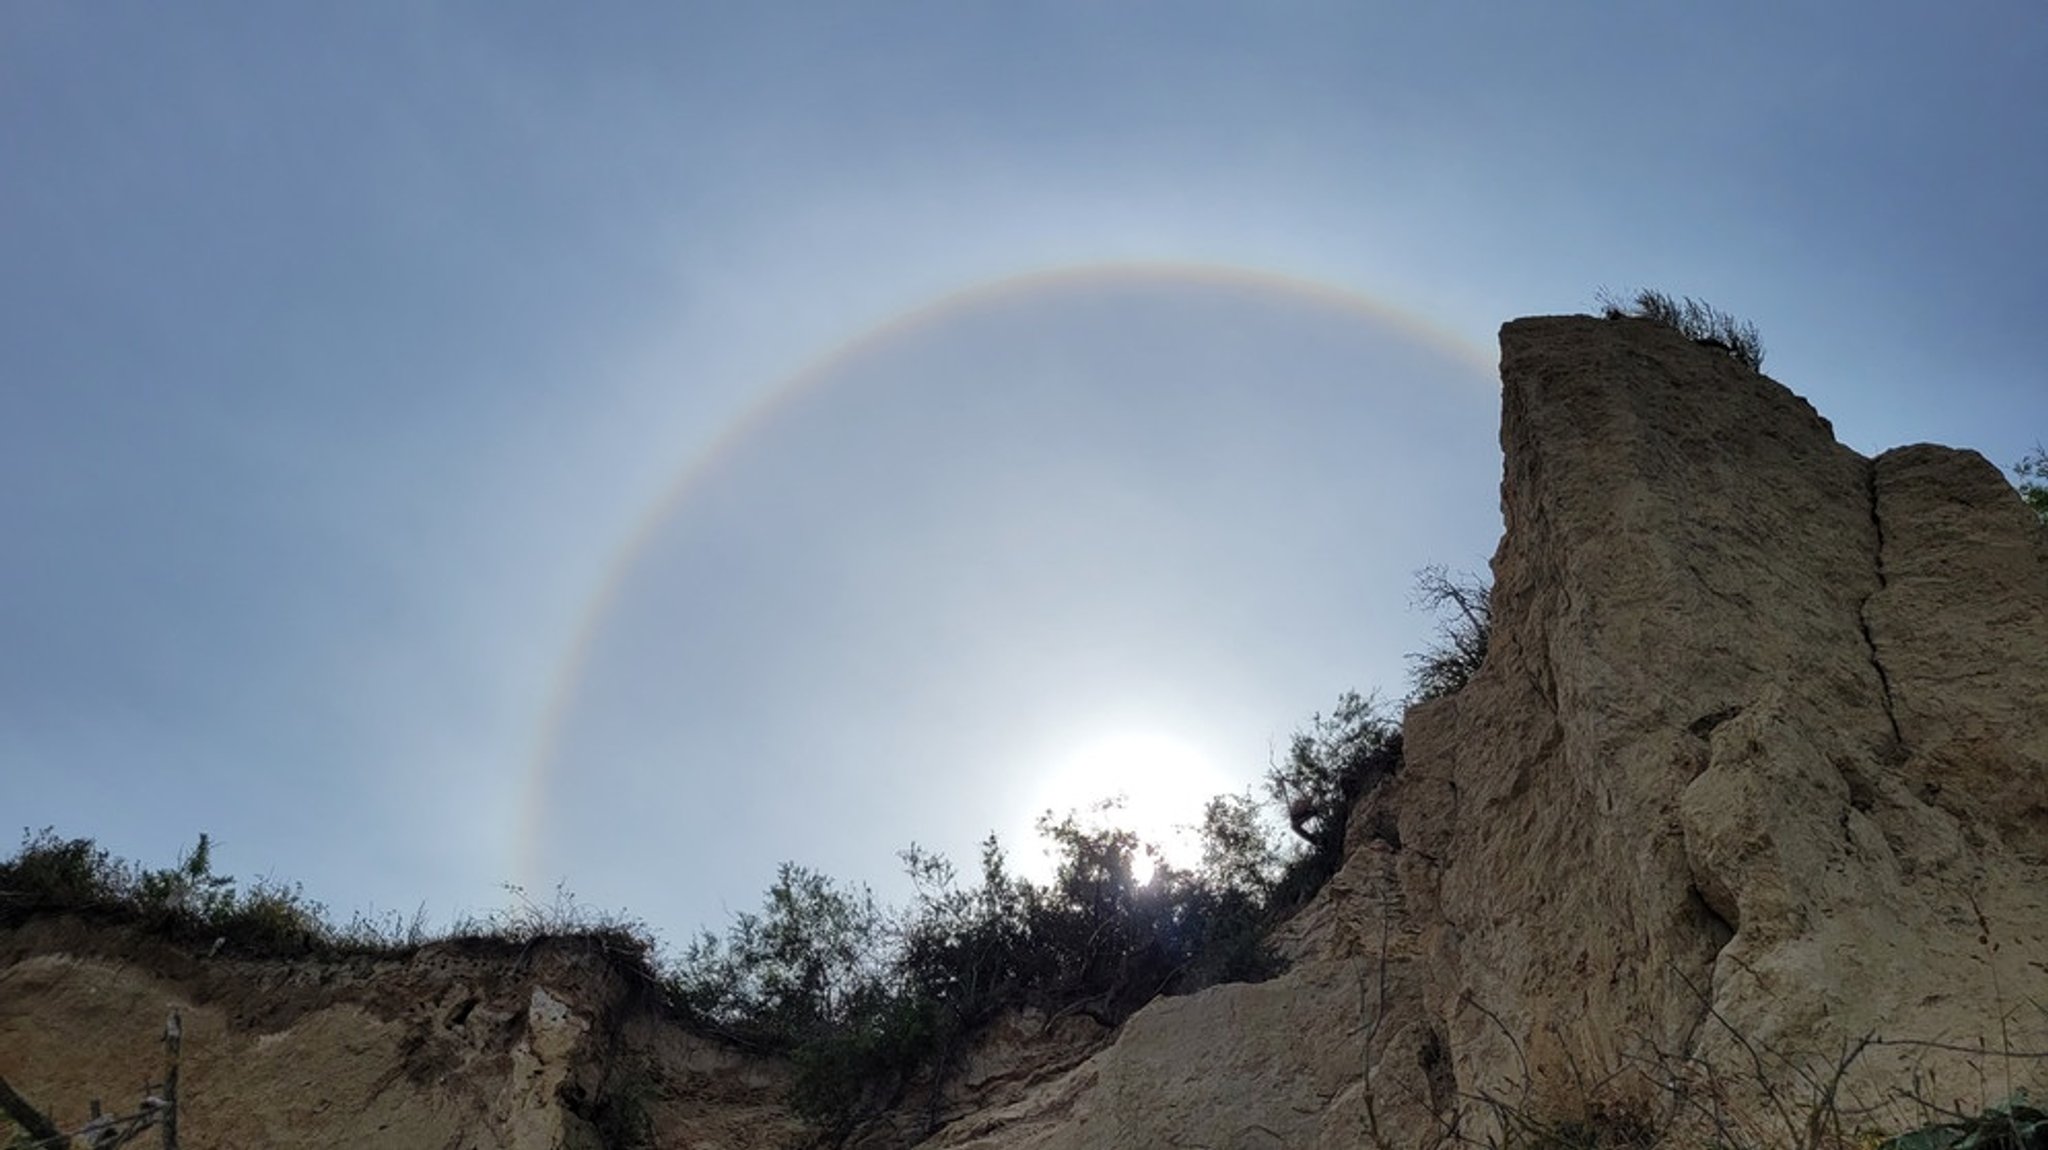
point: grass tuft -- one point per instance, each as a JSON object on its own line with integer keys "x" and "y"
{"x": 1698, "y": 321}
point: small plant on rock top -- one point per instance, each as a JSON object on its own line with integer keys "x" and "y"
{"x": 2033, "y": 484}
{"x": 1697, "y": 320}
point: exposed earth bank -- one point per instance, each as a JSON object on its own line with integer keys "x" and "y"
{"x": 1747, "y": 811}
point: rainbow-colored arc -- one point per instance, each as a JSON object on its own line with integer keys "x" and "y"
{"x": 777, "y": 399}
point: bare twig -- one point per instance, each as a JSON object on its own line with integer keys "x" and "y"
{"x": 31, "y": 1120}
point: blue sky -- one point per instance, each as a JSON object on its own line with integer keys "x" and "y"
{"x": 344, "y": 352}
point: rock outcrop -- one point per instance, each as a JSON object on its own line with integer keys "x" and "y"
{"x": 1744, "y": 820}
{"x": 462, "y": 1045}
{"x": 1755, "y": 771}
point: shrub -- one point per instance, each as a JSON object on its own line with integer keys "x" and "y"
{"x": 524, "y": 920}
{"x": 2033, "y": 484}
{"x": 863, "y": 1002}
{"x": 1239, "y": 854}
{"x": 1696, "y": 320}
{"x": 55, "y": 873}
{"x": 811, "y": 962}
{"x": 1328, "y": 768}
{"x": 188, "y": 902}
{"x": 189, "y": 891}
{"x": 270, "y": 918}
{"x": 1464, "y": 607}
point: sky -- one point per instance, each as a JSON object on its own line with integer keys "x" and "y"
{"x": 621, "y": 449}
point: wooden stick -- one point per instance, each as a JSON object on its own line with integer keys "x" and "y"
{"x": 173, "y": 1038}
{"x": 29, "y": 1118}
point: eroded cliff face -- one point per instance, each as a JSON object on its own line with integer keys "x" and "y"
{"x": 476, "y": 1045}
{"x": 1757, "y": 768}
{"x": 1758, "y": 760}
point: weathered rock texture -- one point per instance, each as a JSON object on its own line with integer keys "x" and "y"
{"x": 459, "y": 1046}
{"x": 1757, "y": 760}
{"x": 1757, "y": 768}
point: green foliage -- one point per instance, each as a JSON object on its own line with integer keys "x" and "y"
{"x": 1121, "y": 942}
{"x": 863, "y": 1002}
{"x": 1238, "y": 850}
{"x": 805, "y": 966}
{"x": 1698, "y": 321}
{"x": 1328, "y": 768}
{"x": 53, "y": 874}
{"x": 270, "y": 918}
{"x": 2033, "y": 484}
{"x": 50, "y": 872}
{"x": 188, "y": 889}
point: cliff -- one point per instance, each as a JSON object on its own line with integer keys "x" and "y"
{"x": 467, "y": 1043}
{"x": 1745, "y": 819}
{"x": 1756, "y": 770}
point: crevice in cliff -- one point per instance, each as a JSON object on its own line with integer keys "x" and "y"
{"x": 1439, "y": 1073}
{"x": 1703, "y": 727}
{"x": 1884, "y": 681}
{"x": 1719, "y": 922}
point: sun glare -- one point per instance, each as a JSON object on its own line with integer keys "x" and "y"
{"x": 1158, "y": 782}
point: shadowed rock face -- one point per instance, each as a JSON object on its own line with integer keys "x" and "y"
{"x": 458, "y": 1045}
{"x": 1757, "y": 767}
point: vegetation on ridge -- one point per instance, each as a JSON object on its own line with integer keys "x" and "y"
{"x": 869, "y": 1002}
{"x": 189, "y": 903}
{"x": 1698, "y": 321}
{"x": 2033, "y": 483}
{"x": 1709, "y": 326}
{"x": 187, "y": 900}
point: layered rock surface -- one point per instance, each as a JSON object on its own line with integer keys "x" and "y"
{"x": 466, "y": 1045}
{"x": 1756, "y": 771}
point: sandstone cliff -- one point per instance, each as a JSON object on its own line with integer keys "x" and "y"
{"x": 1756, "y": 770}
{"x": 463, "y": 1044}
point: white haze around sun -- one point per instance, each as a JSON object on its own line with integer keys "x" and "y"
{"x": 1150, "y": 782}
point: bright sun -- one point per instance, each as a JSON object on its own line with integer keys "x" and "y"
{"x": 1161, "y": 782}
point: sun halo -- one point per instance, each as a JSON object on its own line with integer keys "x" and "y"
{"x": 1154, "y": 784}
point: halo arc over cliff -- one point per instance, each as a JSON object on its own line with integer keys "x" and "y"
{"x": 756, "y": 422}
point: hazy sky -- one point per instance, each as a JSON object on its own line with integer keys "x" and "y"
{"x": 444, "y": 445}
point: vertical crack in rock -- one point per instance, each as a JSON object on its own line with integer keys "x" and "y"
{"x": 1884, "y": 681}
{"x": 1439, "y": 1073}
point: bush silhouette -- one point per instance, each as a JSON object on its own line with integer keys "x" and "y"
{"x": 2033, "y": 484}
{"x": 1464, "y": 608}
{"x": 1329, "y": 767}
{"x": 862, "y": 1002}
{"x": 50, "y": 874}
{"x": 1698, "y": 321}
